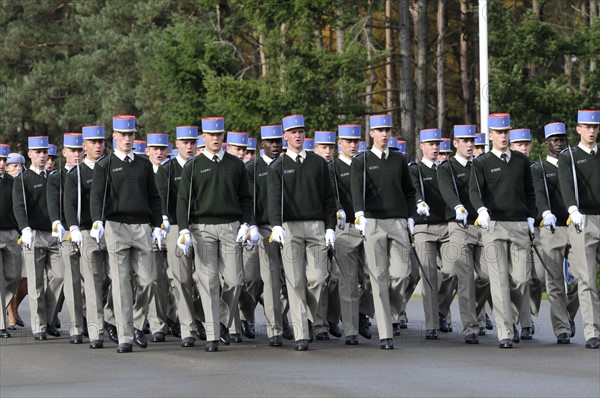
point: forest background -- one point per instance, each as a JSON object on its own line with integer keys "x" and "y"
{"x": 66, "y": 64}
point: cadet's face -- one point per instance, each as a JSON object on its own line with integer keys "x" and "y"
{"x": 588, "y": 134}
{"x": 272, "y": 147}
{"x": 237, "y": 151}
{"x": 556, "y": 144}
{"x": 478, "y": 150}
{"x": 431, "y": 150}
{"x": 73, "y": 156}
{"x": 524, "y": 147}
{"x": 325, "y": 151}
{"x": 349, "y": 147}
{"x": 13, "y": 169}
{"x": 380, "y": 138}
{"x": 2, "y": 165}
{"x": 50, "y": 163}
{"x": 124, "y": 141}
{"x": 199, "y": 150}
{"x": 442, "y": 156}
{"x": 464, "y": 147}
{"x": 156, "y": 154}
{"x": 213, "y": 142}
{"x": 186, "y": 148}
{"x": 94, "y": 149}
{"x": 38, "y": 157}
{"x": 249, "y": 156}
{"x": 295, "y": 138}
{"x": 499, "y": 139}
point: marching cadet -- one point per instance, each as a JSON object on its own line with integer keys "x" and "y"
{"x": 41, "y": 254}
{"x": 237, "y": 144}
{"x": 349, "y": 241}
{"x": 302, "y": 214}
{"x": 431, "y": 229}
{"x": 579, "y": 179}
{"x": 330, "y": 311}
{"x": 52, "y": 156}
{"x": 73, "y": 153}
{"x": 161, "y": 310}
{"x": 520, "y": 140}
{"x": 383, "y": 199}
{"x": 214, "y": 210}
{"x": 199, "y": 146}
{"x": 10, "y": 256}
{"x": 501, "y": 189}
{"x": 462, "y": 258}
{"x": 553, "y": 235}
{"x": 94, "y": 256}
{"x": 250, "y": 150}
{"x": 269, "y": 256}
{"x": 139, "y": 148}
{"x": 125, "y": 198}
{"x": 181, "y": 266}
{"x": 479, "y": 145}
{"x": 445, "y": 150}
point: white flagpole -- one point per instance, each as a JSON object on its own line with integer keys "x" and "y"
{"x": 484, "y": 99}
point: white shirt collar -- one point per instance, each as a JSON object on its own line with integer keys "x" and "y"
{"x": 378, "y": 153}
{"x": 427, "y": 162}
{"x": 588, "y": 150}
{"x": 122, "y": 155}
{"x": 461, "y": 160}
{"x": 293, "y": 154}
{"x": 211, "y": 155}
{"x": 345, "y": 159}
{"x": 499, "y": 153}
{"x": 552, "y": 160}
{"x": 36, "y": 171}
{"x": 89, "y": 163}
{"x": 267, "y": 159}
{"x": 182, "y": 161}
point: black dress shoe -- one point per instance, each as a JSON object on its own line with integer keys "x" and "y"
{"x": 322, "y": 336}
{"x": 516, "y": 339}
{"x": 40, "y": 336}
{"x": 364, "y": 326}
{"x": 593, "y": 343}
{"x": 288, "y": 332}
{"x": 146, "y": 328}
{"x": 403, "y": 324}
{"x": 572, "y": 328}
{"x": 85, "y": 328}
{"x": 311, "y": 332}
{"x": 488, "y": 323}
{"x": 19, "y": 322}
{"x": 248, "y": 329}
{"x": 471, "y": 339}
{"x": 431, "y": 334}
{"x": 212, "y": 346}
{"x": 188, "y": 342}
{"x": 334, "y": 330}
{"x": 95, "y": 344}
{"x": 52, "y": 330}
{"x": 563, "y": 338}
{"x": 139, "y": 338}
{"x": 225, "y": 337}
{"x": 4, "y": 334}
{"x": 76, "y": 339}
{"x": 527, "y": 333}
{"x": 174, "y": 328}
{"x": 275, "y": 341}
{"x": 158, "y": 337}
{"x": 124, "y": 347}
{"x": 386, "y": 344}
{"x": 396, "y": 329}
{"x": 351, "y": 340}
{"x": 481, "y": 331}
{"x": 111, "y": 330}
{"x": 201, "y": 331}
{"x": 301, "y": 345}
{"x": 445, "y": 327}
{"x": 236, "y": 338}
{"x": 506, "y": 343}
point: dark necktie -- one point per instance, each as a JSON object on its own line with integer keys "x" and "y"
{"x": 127, "y": 159}
{"x": 216, "y": 159}
{"x": 299, "y": 159}
{"x": 434, "y": 167}
{"x": 504, "y": 158}
{"x": 469, "y": 164}
{"x": 592, "y": 152}
{"x": 43, "y": 173}
{"x": 383, "y": 156}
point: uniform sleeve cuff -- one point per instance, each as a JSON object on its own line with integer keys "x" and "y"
{"x": 482, "y": 208}
{"x": 359, "y": 214}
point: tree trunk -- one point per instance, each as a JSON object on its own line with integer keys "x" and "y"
{"x": 441, "y": 94}
{"x": 593, "y": 17}
{"x": 582, "y": 67}
{"x": 466, "y": 64}
{"x": 372, "y": 73}
{"x": 421, "y": 72}
{"x": 263, "y": 57}
{"x": 389, "y": 66}
{"x": 406, "y": 77}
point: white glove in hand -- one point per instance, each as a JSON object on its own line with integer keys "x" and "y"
{"x": 531, "y": 224}
{"x": 157, "y": 236}
{"x": 254, "y": 236}
{"x": 76, "y": 236}
{"x": 278, "y": 234}
{"x": 549, "y": 220}
{"x": 58, "y": 231}
{"x": 461, "y": 214}
{"x": 484, "y": 219}
{"x": 577, "y": 219}
{"x": 166, "y": 225}
{"x": 411, "y": 225}
{"x": 27, "y": 238}
{"x": 242, "y": 233}
{"x": 330, "y": 237}
{"x": 423, "y": 209}
{"x": 341, "y": 219}
{"x": 184, "y": 241}
{"x": 97, "y": 231}
{"x": 361, "y": 224}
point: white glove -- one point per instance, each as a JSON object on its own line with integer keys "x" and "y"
{"x": 254, "y": 236}
{"x": 423, "y": 209}
{"x": 27, "y": 238}
{"x": 330, "y": 237}
{"x": 184, "y": 241}
{"x": 97, "y": 231}
{"x": 549, "y": 219}
{"x": 76, "y": 236}
{"x": 461, "y": 213}
{"x": 361, "y": 224}
{"x": 531, "y": 223}
{"x": 341, "y": 219}
{"x": 58, "y": 231}
{"x": 157, "y": 236}
{"x": 411, "y": 225}
{"x": 166, "y": 225}
{"x": 278, "y": 234}
{"x": 242, "y": 233}
{"x": 483, "y": 219}
{"x": 577, "y": 219}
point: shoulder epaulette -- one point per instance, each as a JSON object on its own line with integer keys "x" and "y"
{"x": 166, "y": 161}
{"x": 73, "y": 170}
{"x": 52, "y": 173}
{"x": 534, "y": 164}
{"x": 567, "y": 149}
{"x": 190, "y": 159}
{"x": 413, "y": 163}
{"x": 442, "y": 162}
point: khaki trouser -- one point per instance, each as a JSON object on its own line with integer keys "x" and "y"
{"x": 218, "y": 260}
{"x": 387, "y": 252}
{"x": 159, "y": 304}
{"x": 10, "y": 269}
{"x": 94, "y": 267}
{"x": 349, "y": 248}
{"x": 584, "y": 257}
{"x": 304, "y": 259}
{"x": 44, "y": 278}
{"x": 507, "y": 253}
{"x": 129, "y": 250}
{"x": 252, "y": 287}
{"x": 269, "y": 257}
{"x": 72, "y": 287}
